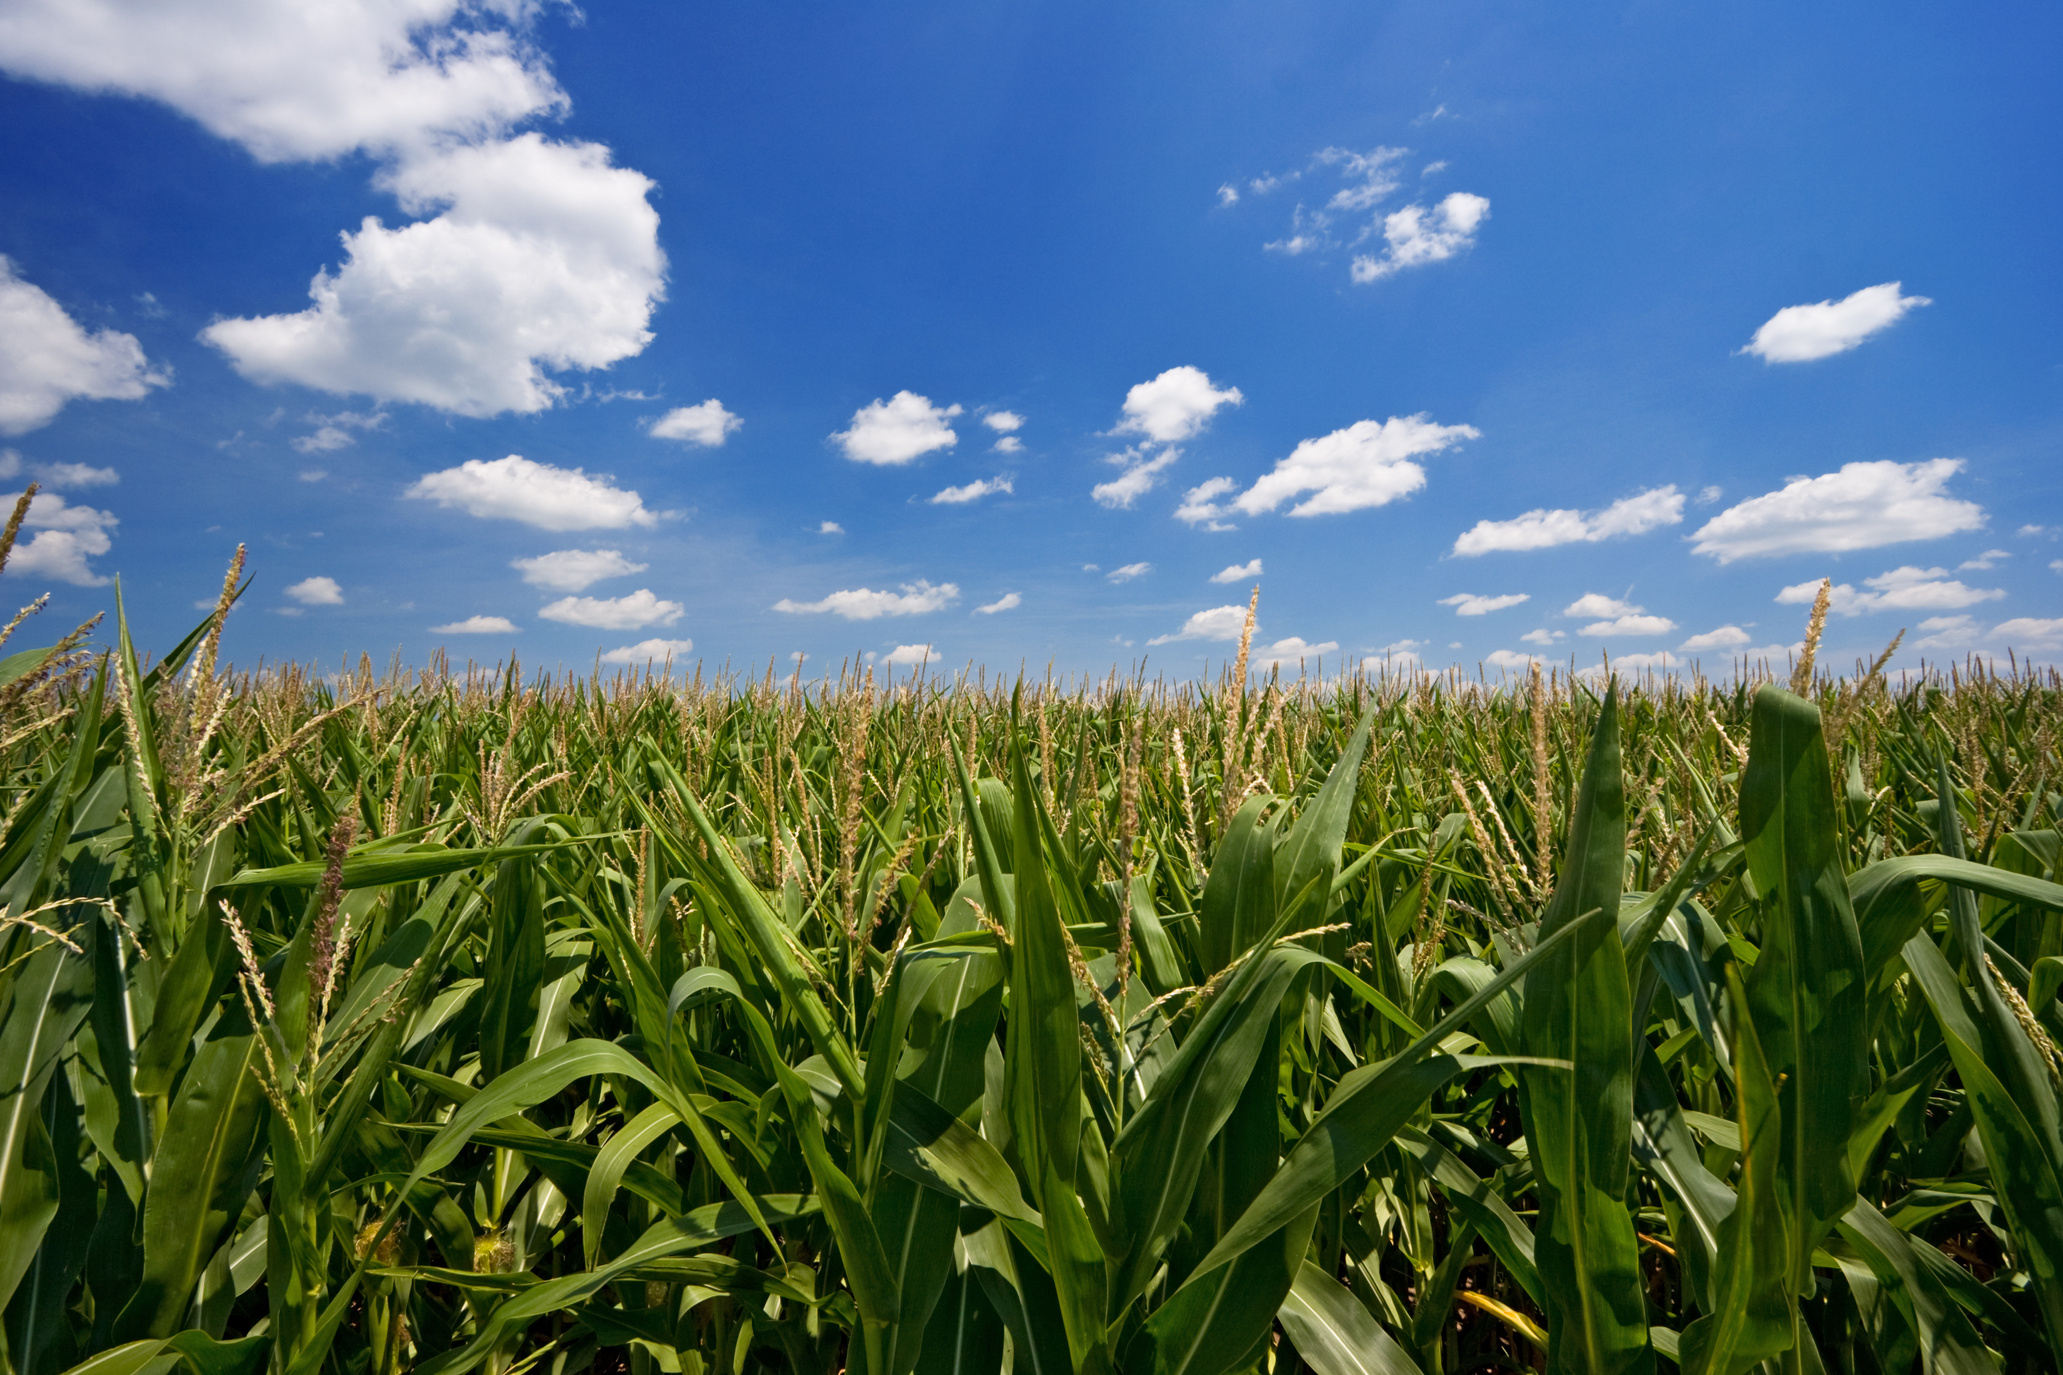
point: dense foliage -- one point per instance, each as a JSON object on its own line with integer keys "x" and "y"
{"x": 446, "y": 1022}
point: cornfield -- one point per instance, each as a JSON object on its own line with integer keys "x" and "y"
{"x": 446, "y": 1022}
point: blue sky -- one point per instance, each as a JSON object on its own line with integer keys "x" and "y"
{"x": 1486, "y": 330}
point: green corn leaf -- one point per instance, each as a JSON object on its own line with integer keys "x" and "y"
{"x": 39, "y": 1335}
{"x": 1476, "y": 1200}
{"x": 770, "y": 941}
{"x": 1042, "y": 1051}
{"x": 1806, "y": 990}
{"x": 1753, "y": 1315}
{"x": 193, "y": 981}
{"x": 1160, "y": 1153}
{"x": 2023, "y": 1168}
{"x": 1239, "y": 901}
{"x": 1217, "y": 1321}
{"x": 606, "y": 1175}
{"x": 1371, "y": 1103}
{"x": 1333, "y": 1332}
{"x": 965, "y": 1334}
{"x": 930, "y": 1146}
{"x": 384, "y": 867}
{"x": 1662, "y": 1145}
{"x": 43, "y": 1000}
{"x": 1891, "y": 905}
{"x": 200, "y": 1175}
{"x": 917, "y": 1227}
{"x": 1948, "y": 1344}
{"x": 1079, "y": 1279}
{"x": 1023, "y": 1295}
{"x": 675, "y": 1236}
{"x": 1578, "y": 1007}
{"x": 1311, "y": 849}
{"x": 194, "y": 1351}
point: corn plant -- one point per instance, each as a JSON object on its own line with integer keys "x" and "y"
{"x": 447, "y": 1021}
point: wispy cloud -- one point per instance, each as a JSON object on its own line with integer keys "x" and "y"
{"x": 1469, "y": 604}
{"x": 1009, "y": 601}
{"x": 1129, "y": 572}
{"x": 1238, "y": 572}
{"x": 973, "y": 491}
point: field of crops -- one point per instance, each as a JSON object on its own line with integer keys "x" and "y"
{"x": 451, "y": 1022}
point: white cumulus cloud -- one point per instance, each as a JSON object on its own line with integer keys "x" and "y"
{"x": 66, "y": 537}
{"x": 1366, "y": 464}
{"x": 46, "y": 359}
{"x": 1861, "y": 506}
{"x": 1984, "y": 562}
{"x": 630, "y": 612}
{"x": 516, "y": 488}
{"x": 1218, "y": 623}
{"x": 317, "y": 591}
{"x": 1003, "y": 422}
{"x": 972, "y": 491}
{"x": 1543, "y": 529}
{"x": 1469, "y": 604}
{"x": 477, "y": 625}
{"x": 830, "y": 527}
{"x": 1595, "y": 604}
{"x": 574, "y": 570}
{"x": 1630, "y": 625}
{"x": 1726, "y": 637}
{"x": 1620, "y": 617}
{"x": 1129, "y": 572}
{"x": 1543, "y": 636}
{"x": 528, "y": 254}
{"x": 706, "y": 423}
{"x": 910, "y": 656}
{"x": 1416, "y": 236}
{"x": 895, "y": 431}
{"x": 1799, "y": 334}
{"x": 1901, "y": 589}
{"x": 653, "y": 651}
{"x": 865, "y": 604}
{"x": 296, "y": 81}
{"x": 1238, "y": 572}
{"x": 1510, "y": 659}
{"x": 1009, "y": 601}
{"x": 544, "y": 256}
{"x": 1174, "y": 406}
